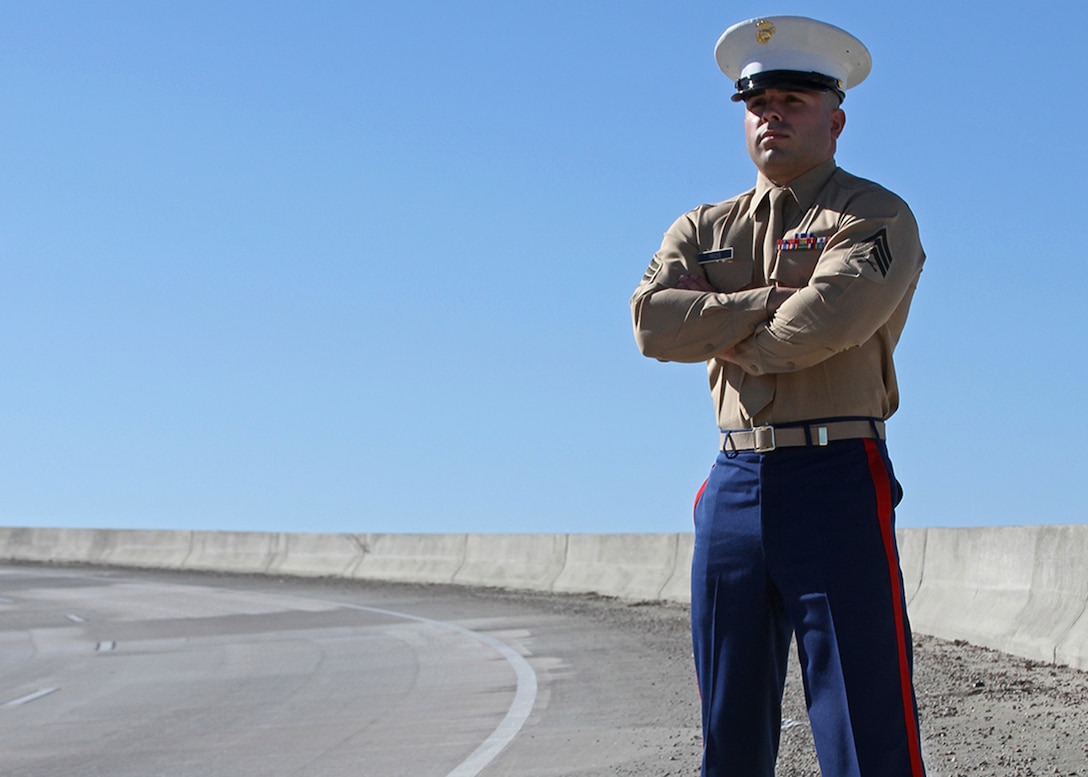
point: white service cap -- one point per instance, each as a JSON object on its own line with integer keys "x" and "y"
{"x": 791, "y": 51}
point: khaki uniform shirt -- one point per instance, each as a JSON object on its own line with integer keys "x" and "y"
{"x": 852, "y": 249}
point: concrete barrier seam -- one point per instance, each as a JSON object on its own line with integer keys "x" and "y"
{"x": 674, "y": 542}
{"x": 922, "y": 568}
{"x": 1059, "y": 641}
{"x": 464, "y": 560}
{"x": 189, "y": 553}
{"x": 364, "y": 549}
{"x": 561, "y": 566}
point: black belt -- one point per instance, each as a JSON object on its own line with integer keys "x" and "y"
{"x": 764, "y": 439}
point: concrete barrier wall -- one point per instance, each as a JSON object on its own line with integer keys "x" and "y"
{"x": 1019, "y": 589}
{"x": 1022, "y": 590}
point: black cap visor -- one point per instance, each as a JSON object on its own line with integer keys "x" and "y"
{"x": 786, "y": 79}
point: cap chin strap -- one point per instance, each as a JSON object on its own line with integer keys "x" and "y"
{"x": 787, "y": 79}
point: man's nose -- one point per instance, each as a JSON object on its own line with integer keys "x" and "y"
{"x": 772, "y": 111}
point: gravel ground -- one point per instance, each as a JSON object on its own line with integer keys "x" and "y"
{"x": 982, "y": 712}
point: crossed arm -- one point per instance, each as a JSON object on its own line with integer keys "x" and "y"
{"x": 777, "y": 296}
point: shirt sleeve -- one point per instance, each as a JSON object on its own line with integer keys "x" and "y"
{"x": 867, "y": 269}
{"x": 690, "y": 326}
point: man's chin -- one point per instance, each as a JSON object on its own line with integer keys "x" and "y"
{"x": 773, "y": 163}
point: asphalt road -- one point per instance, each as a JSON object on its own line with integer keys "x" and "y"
{"x": 133, "y": 673}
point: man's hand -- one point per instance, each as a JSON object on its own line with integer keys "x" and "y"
{"x": 694, "y": 283}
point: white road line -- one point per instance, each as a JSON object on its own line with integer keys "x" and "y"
{"x": 520, "y": 708}
{"x": 30, "y": 697}
{"x": 75, "y": 619}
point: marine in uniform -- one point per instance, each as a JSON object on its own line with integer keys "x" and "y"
{"x": 795, "y": 293}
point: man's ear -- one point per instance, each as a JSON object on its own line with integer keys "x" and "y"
{"x": 838, "y": 121}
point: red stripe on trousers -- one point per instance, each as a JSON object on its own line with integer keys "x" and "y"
{"x": 884, "y": 509}
{"x": 695, "y": 507}
{"x": 699, "y": 495}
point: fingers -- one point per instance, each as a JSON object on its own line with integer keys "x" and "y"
{"x": 694, "y": 283}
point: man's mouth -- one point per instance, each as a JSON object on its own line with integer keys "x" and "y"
{"x": 773, "y": 135}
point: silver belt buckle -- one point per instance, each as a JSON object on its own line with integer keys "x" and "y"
{"x": 763, "y": 439}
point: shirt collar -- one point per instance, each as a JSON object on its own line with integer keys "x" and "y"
{"x": 804, "y": 188}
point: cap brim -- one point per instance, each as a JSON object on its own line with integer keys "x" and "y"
{"x": 788, "y": 80}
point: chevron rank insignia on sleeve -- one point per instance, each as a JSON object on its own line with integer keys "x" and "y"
{"x": 873, "y": 255}
{"x": 651, "y": 271}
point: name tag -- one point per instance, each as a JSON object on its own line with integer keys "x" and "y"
{"x": 721, "y": 255}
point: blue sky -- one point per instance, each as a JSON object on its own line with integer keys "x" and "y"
{"x": 350, "y": 266}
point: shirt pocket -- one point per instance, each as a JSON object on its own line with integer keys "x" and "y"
{"x": 794, "y": 267}
{"x": 796, "y": 258}
{"x": 726, "y": 271}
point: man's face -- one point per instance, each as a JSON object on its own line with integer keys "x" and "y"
{"x": 790, "y": 132}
